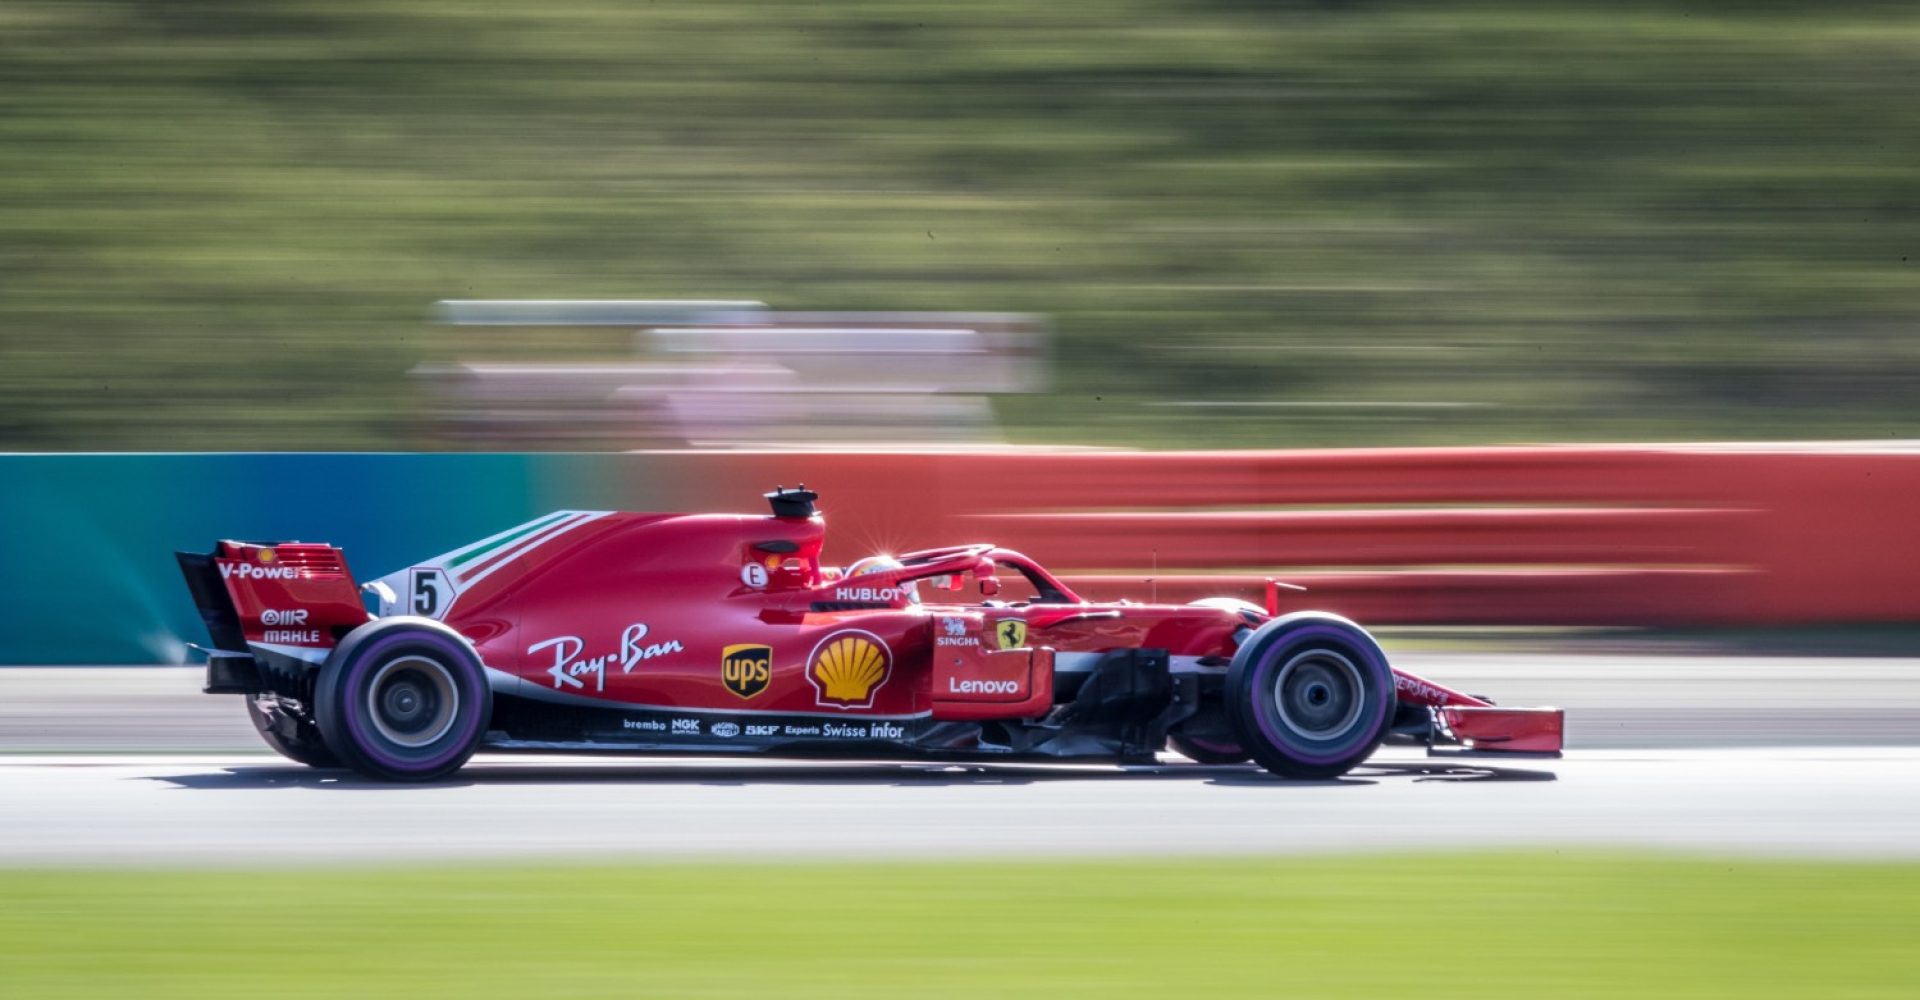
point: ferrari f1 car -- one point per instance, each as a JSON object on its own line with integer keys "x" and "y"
{"x": 725, "y": 634}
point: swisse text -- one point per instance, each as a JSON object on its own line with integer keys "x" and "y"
{"x": 844, "y": 731}
{"x": 957, "y": 686}
{"x": 568, "y": 667}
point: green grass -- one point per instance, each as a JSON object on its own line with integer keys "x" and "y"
{"x": 1473, "y": 927}
{"x": 222, "y": 222}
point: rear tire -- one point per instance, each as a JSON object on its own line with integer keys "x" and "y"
{"x": 1310, "y": 696}
{"x": 306, "y": 747}
{"x": 403, "y": 699}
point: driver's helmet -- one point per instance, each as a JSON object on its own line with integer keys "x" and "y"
{"x": 884, "y": 564}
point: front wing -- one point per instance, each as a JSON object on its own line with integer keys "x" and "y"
{"x": 1531, "y": 731}
{"x": 1458, "y": 722}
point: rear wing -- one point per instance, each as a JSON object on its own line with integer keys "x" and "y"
{"x": 281, "y": 601}
{"x": 210, "y": 596}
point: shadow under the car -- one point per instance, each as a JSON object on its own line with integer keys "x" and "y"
{"x": 909, "y": 775}
{"x": 1440, "y": 770}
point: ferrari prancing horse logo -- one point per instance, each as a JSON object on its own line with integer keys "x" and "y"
{"x": 1010, "y": 633}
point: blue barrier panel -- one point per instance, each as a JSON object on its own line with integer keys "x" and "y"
{"x": 87, "y": 574}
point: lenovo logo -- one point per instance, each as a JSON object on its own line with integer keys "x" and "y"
{"x": 958, "y": 686}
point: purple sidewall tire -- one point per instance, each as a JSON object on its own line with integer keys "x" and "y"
{"x": 1253, "y": 705}
{"x": 343, "y": 712}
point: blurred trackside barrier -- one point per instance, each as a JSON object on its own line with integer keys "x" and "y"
{"x": 1489, "y": 536}
{"x": 1687, "y": 535}
{"x": 87, "y": 573}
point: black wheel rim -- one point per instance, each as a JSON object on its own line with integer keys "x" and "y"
{"x": 1318, "y": 694}
{"x": 412, "y": 701}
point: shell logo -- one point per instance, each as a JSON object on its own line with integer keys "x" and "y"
{"x": 266, "y": 555}
{"x": 848, "y": 667}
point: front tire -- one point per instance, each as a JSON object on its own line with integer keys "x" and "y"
{"x": 1310, "y": 696}
{"x": 403, "y": 699}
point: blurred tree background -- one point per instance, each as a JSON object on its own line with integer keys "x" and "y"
{"x": 1253, "y": 223}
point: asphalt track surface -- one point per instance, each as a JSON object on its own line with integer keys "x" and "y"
{"x": 208, "y": 811}
{"x": 1790, "y": 757}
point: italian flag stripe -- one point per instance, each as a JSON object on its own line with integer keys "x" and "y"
{"x": 482, "y": 550}
{"x": 480, "y": 569}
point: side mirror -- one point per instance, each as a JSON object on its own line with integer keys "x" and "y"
{"x": 989, "y": 586}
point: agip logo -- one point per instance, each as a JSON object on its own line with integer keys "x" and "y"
{"x": 848, "y": 667}
{"x": 746, "y": 669}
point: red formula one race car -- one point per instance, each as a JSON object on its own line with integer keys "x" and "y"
{"x": 724, "y": 634}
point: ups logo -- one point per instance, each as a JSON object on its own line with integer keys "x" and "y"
{"x": 746, "y": 669}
